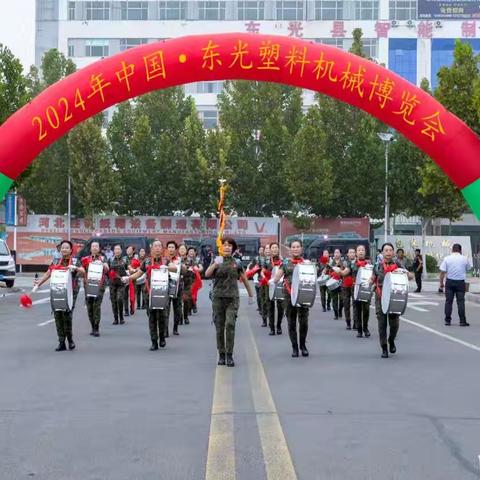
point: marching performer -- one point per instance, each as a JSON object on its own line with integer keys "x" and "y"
{"x": 347, "y": 286}
{"x": 361, "y": 310}
{"x": 193, "y": 271}
{"x": 174, "y": 259}
{"x": 157, "y": 318}
{"x": 197, "y": 284}
{"x": 275, "y": 261}
{"x": 226, "y": 271}
{"x": 325, "y": 296}
{"x": 387, "y": 264}
{"x": 292, "y": 312}
{"x": 256, "y": 264}
{"x": 94, "y": 288}
{"x": 117, "y": 270}
{"x": 63, "y": 319}
{"x": 140, "y": 283}
{"x": 334, "y": 270}
{"x": 128, "y": 293}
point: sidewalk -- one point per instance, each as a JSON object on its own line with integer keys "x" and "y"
{"x": 431, "y": 285}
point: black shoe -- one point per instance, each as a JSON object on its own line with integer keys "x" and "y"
{"x": 162, "y": 343}
{"x": 194, "y": 309}
{"x": 335, "y": 317}
{"x": 329, "y": 308}
{"x": 132, "y": 312}
{"x": 154, "y": 346}
{"x": 264, "y": 323}
{"x": 340, "y": 315}
{"x": 187, "y": 321}
{"x": 126, "y": 314}
{"x": 447, "y": 323}
{"x": 304, "y": 351}
{"x": 230, "y": 362}
{"x": 349, "y": 327}
{"x": 92, "y": 333}
{"x": 384, "y": 352}
{"x": 122, "y": 321}
{"x": 359, "y": 334}
{"x": 324, "y": 309}
{"x": 272, "y": 331}
{"x": 279, "y": 330}
{"x": 295, "y": 352}
{"x": 71, "y": 343}
{"x": 221, "y": 359}
{"x": 61, "y": 347}
{"x": 180, "y": 322}
{"x": 167, "y": 335}
{"x": 417, "y": 291}
{"x": 175, "y": 332}
{"x": 464, "y": 324}
{"x": 115, "y": 322}
{"x": 392, "y": 346}
{"x": 366, "y": 332}
{"x": 96, "y": 333}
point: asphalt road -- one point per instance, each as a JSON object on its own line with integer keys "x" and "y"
{"x": 114, "y": 410}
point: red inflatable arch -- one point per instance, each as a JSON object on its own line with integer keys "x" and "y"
{"x": 354, "y": 80}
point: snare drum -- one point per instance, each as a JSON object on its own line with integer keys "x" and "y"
{"x": 363, "y": 288}
{"x": 304, "y": 285}
{"x": 159, "y": 283}
{"x": 275, "y": 291}
{"x": 323, "y": 279}
{"x": 94, "y": 279}
{"x": 61, "y": 291}
{"x": 333, "y": 284}
{"x": 395, "y": 292}
{"x": 174, "y": 282}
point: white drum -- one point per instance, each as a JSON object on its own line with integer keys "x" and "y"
{"x": 159, "y": 284}
{"x": 174, "y": 282}
{"x": 61, "y": 290}
{"x": 304, "y": 285}
{"x": 323, "y": 279}
{"x": 94, "y": 279}
{"x": 363, "y": 288}
{"x": 141, "y": 280}
{"x": 333, "y": 283}
{"x": 275, "y": 291}
{"x": 395, "y": 292}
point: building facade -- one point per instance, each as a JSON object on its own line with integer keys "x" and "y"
{"x": 414, "y": 38}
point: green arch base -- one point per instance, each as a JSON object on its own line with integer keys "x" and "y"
{"x": 471, "y": 193}
{"x": 5, "y": 184}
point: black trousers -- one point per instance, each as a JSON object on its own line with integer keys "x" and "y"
{"x": 455, "y": 288}
{"x": 418, "y": 280}
{"x": 337, "y": 301}
{"x": 271, "y": 313}
{"x": 325, "y": 296}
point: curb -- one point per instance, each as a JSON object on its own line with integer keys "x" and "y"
{"x": 473, "y": 297}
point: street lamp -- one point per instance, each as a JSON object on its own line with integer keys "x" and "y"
{"x": 386, "y": 138}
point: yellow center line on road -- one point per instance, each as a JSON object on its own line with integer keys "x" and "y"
{"x": 221, "y": 442}
{"x": 278, "y": 461}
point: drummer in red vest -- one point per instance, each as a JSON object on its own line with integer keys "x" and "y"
{"x": 347, "y": 285}
{"x": 274, "y": 261}
{"x": 334, "y": 271}
{"x": 361, "y": 310}
{"x": 384, "y": 266}
{"x": 63, "y": 319}
{"x": 94, "y": 303}
{"x": 292, "y": 312}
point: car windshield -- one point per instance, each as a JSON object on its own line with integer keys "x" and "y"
{"x": 3, "y": 249}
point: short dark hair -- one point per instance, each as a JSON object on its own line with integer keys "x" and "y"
{"x": 417, "y": 250}
{"x": 231, "y": 242}
{"x": 118, "y": 245}
{"x": 132, "y": 247}
{"x": 66, "y": 241}
{"x": 388, "y": 244}
{"x": 192, "y": 248}
{"x": 94, "y": 241}
{"x": 295, "y": 240}
{"x": 274, "y": 243}
{"x": 351, "y": 248}
{"x": 456, "y": 247}
{"x": 172, "y": 242}
{"x": 400, "y": 250}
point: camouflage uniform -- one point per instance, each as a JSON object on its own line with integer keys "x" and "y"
{"x": 188, "y": 281}
{"x": 337, "y": 302}
{"x": 94, "y": 304}
{"x": 361, "y": 310}
{"x": 347, "y": 292}
{"x": 117, "y": 287}
{"x": 272, "y": 262}
{"x": 382, "y": 318}
{"x": 292, "y": 312}
{"x": 225, "y": 302}
{"x": 63, "y": 319}
{"x": 325, "y": 296}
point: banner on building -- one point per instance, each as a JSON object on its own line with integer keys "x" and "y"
{"x": 448, "y": 9}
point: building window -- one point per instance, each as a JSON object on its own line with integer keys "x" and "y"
{"x": 402, "y": 58}
{"x": 71, "y": 10}
{"x": 171, "y": 10}
{"x": 329, "y": 10}
{"x": 251, "y": 10}
{"x": 366, "y": 10}
{"x": 97, "y": 10}
{"x": 209, "y": 87}
{"x": 211, "y": 10}
{"x": 334, "y": 42}
{"x": 403, "y": 9}
{"x": 96, "y": 48}
{"x": 370, "y": 47}
{"x": 209, "y": 119}
{"x": 134, "y": 10}
{"x": 126, "y": 43}
{"x": 289, "y": 10}
{"x": 71, "y": 50}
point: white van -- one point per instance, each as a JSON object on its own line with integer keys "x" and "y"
{"x": 7, "y": 265}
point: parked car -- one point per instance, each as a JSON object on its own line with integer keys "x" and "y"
{"x": 107, "y": 243}
{"x": 314, "y": 251}
{"x": 7, "y": 265}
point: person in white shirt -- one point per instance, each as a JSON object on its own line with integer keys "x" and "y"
{"x": 454, "y": 267}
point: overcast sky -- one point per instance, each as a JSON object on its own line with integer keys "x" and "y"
{"x": 17, "y": 29}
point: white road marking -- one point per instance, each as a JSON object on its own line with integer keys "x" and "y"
{"x": 41, "y": 300}
{"x": 418, "y": 309}
{"x": 45, "y": 323}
